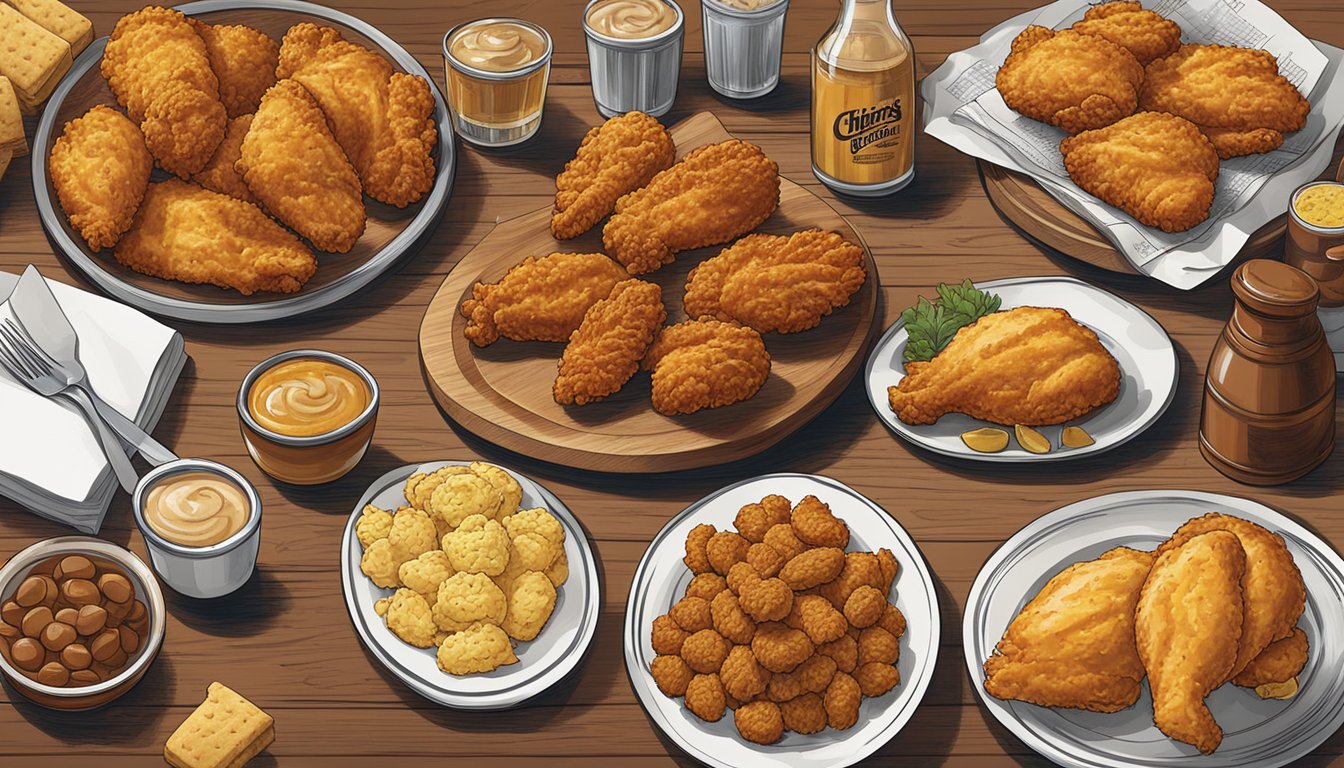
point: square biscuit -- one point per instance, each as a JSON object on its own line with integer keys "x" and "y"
{"x": 12, "y": 137}
{"x": 225, "y": 731}
{"x": 60, "y": 20}
{"x": 31, "y": 57}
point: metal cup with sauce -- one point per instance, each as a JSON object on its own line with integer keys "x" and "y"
{"x": 634, "y": 54}
{"x": 744, "y": 40}
{"x": 497, "y": 70}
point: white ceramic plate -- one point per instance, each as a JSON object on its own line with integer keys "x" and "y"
{"x": 1148, "y": 372}
{"x": 1256, "y": 732}
{"x": 542, "y": 662}
{"x": 661, "y": 580}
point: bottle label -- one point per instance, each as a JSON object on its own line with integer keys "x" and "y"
{"x": 861, "y": 127}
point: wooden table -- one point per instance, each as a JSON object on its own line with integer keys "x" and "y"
{"x": 285, "y": 640}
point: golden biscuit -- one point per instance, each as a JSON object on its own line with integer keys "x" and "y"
{"x": 530, "y": 604}
{"x": 225, "y": 731}
{"x": 705, "y": 697}
{"x": 468, "y": 598}
{"x": 478, "y": 545}
{"x": 373, "y": 524}
{"x": 478, "y": 648}
{"x": 408, "y": 616}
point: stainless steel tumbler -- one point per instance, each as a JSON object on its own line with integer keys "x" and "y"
{"x": 635, "y": 74}
{"x": 743, "y": 43}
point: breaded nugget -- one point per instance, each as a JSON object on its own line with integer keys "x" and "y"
{"x": 705, "y": 651}
{"x": 420, "y": 486}
{"x": 845, "y": 652}
{"x": 878, "y": 645}
{"x": 692, "y": 614}
{"x": 865, "y": 606}
{"x": 1280, "y": 662}
{"x": 461, "y": 496}
{"x": 464, "y": 599}
{"x": 742, "y": 676}
{"x": 706, "y": 585}
{"x": 875, "y": 678}
{"x": 220, "y": 174}
{"x": 100, "y": 169}
{"x": 705, "y": 363}
{"x": 842, "y": 699}
{"x": 741, "y": 575}
{"x": 606, "y": 349}
{"x": 425, "y": 573}
{"x": 1156, "y": 167}
{"x": 479, "y": 545}
{"x": 818, "y": 618}
{"x": 540, "y": 299}
{"x": 373, "y": 524}
{"x": 1068, "y": 79}
{"x": 244, "y": 61}
{"x": 752, "y": 521}
{"x": 805, "y": 714}
{"x": 705, "y": 697}
{"x": 714, "y": 194}
{"x": 379, "y": 564}
{"x": 1146, "y": 34}
{"x": 765, "y": 559}
{"x": 781, "y": 537}
{"x": 615, "y": 158}
{"x": 730, "y": 620}
{"x": 860, "y": 569}
{"x": 892, "y": 620}
{"x": 671, "y": 674}
{"x": 779, "y": 647}
{"x": 531, "y": 600}
{"x": 766, "y": 599}
{"x": 726, "y": 549}
{"x": 408, "y": 616}
{"x": 511, "y": 493}
{"x": 814, "y": 524}
{"x": 812, "y": 568}
{"x": 696, "y": 559}
{"x": 478, "y": 648}
{"x": 759, "y": 722}
{"x": 667, "y": 636}
{"x": 812, "y": 676}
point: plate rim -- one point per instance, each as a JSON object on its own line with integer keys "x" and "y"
{"x": 294, "y": 305}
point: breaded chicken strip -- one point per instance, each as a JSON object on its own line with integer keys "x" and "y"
{"x": 705, "y": 363}
{"x": 1068, "y": 79}
{"x": 100, "y": 168}
{"x": 609, "y": 344}
{"x": 1146, "y": 34}
{"x": 775, "y": 283}
{"x": 295, "y": 168}
{"x": 617, "y": 157}
{"x": 382, "y": 119}
{"x": 540, "y": 299}
{"x": 244, "y": 60}
{"x": 1156, "y": 167}
{"x": 1280, "y": 662}
{"x": 220, "y": 174}
{"x": 158, "y": 68}
{"x": 714, "y": 194}
{"x": 187, "y": 233}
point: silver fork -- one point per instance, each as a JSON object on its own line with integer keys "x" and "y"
{"x": 32, "y": 369}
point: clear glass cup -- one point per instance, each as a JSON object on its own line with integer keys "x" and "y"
{"x": 743, "y": 44}
{"x": 496, "y": 108}
{"x": 635, "y": 73}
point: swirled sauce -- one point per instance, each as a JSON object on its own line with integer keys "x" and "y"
{"x": 631, "y": 19}
{"x": 747, "y": 5}
{"x": 497, "y": 46}
{"x": 307, "y": 396}
{"x": 196, "y": 509}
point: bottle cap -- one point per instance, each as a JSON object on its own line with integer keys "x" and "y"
{"x": 1274, "y": 288}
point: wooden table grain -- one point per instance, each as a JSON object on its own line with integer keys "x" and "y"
{"x": 284, "y": 640}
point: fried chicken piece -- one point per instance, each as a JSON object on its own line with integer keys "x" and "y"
{"x": 692, "y": 614}
{"x": 667, "y": 636}
{"x": 814, "y": 523}
{"x": 604, "y": 352}
{"x": 1273, "y": 593}
{"x": 220, "y": 175}
{"x": 615, "y": 158}
{"x": 1235, "y": 94}
{"x": 696, "y": 559}
{"x": 1156, "y": 167}
{"x": 706, "y": 585}
{"x": 705, "y": 651}
{"x": 540, "y": 299}
{"x": 1146, "y": 34}
{"x": 759, "y": 722}
{"x": 726, "y": 549}
{"x": 779, "y": 647}
{"x": 183, "y": 232}
{"x": 843, "y": 697}
{"x": 1280, "y": 662}
{"x": 244, "y": 61}
{"x": 293, "y": 165}
{"x": 1068, "y": 79}
{"x": 714, "y": 194}
{"x": 805, "y": 714}
{"x": 671, "y": 674}
{"x": 705, "y": 363}
{"x": 776, "y": 283}
{"x": 742, "y": 676}
{"x": 159, "y": 70}
{"x": 730, "y": 620}
{"x": 1187, "y": 625}
{"x": 100, "y": 169}
{"x": 705, "y": 697}
{"x": 1028, "y": 365}
{"x": 382, "y": 119}
{"x": 812, "y": 568}
{"x": 1073, "y": 645}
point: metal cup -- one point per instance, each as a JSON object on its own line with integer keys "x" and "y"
{"x": 635, "y": 74}
{"x": 743, "y": 47}
{"x": 497, "y": 109}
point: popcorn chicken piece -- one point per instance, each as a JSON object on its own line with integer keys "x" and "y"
{"x": 530, "y": 605}
{"x": 478, "y": 648}
{"x": 812, "y": 676}
{"x": 705, "y": 651}
{"x": 765, "y": 559}
{"x": 533, "y": 552}
{"x": 671, "y": 674}
{"x": 667, "y": 636}
{"x": 842, "y": 700}
{"x": 425, "y": 573}
{"x": 408, "y": 616}
{"x": 558, "y": 573}
{"x": 742, "y": 676}
{"x": 865, "y": 606}
{"x": 461, "y": 496}
{"x": 759, "y": 722}
{"x": 740, "y": 574}
{"x": 706, "y": 585}
{"x": 412, "y": 534}
{"x": 879, "y": 645}
{"x": 818, "y": 618}
{"x": 780, "y": 648}
{"x": 726, "y": 549}
{"x": 373, "y": 524}
{"x": 468, "y": 598}
{"x": 845, "y": 652}
{"x": 730, "y": 620}
{"x": 804, "y": 714}
{"x": 814, "y": 524}
{"x": 813, "y": 567}
{"x": 766, "y": 599}
{"x": 536, "y": 521}
{"x": 380, "y": 606}
{"x": 875, "y": 678}
{"x": 892, "y": 620}
{"x": 777, "y": 508}
{"x": 752, "y": 522}
{"x": 479, "y": 545}
{"x": 692, "y": 614}
{"x": 860, "y": 568}
{"x": 889, "y": 567}
{"x": 510, "y": 491}
{"x": 785, "y": 541}
{"x": 420, "y": 486}
{"x": 705, "y": 697}
{"x": 380, "y": 565}
{"x": 696, "y": 559}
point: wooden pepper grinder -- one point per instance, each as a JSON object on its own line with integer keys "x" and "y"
{"x": 1269, "y": 395}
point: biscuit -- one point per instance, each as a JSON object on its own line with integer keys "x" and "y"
{"x": 530, "y": 603}
{"x": 60, "y": 20}
{"x": 32, "y": 58}
{"x": 478, "y": 648}
{"x": 225, "y": 731}
{"x": 12, "y": 138}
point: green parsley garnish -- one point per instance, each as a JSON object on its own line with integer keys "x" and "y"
{"x": 931, "y": 326}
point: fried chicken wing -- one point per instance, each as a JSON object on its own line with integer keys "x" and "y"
{"x": 1188, "y": 624}
{"x": 1146, "y": 34}
{"x": 187, "y": 233}
{"x": 705, "y": 363}
{"x": 1027, "y": 365}
{"x": 606, "y": 349}
{"x": 615, "y": 158}
{"x": 382, "y": 119}
{"x": 540, "y": 299}
{"x": 774, "y": 283}
{"x": 714, "y": 194}
{"x": 295, "y": 168}
{"x": 100, "y": 168}
{"x": 1068, "y": 79}
{"x": 1073, "y": 645}
{"x": 244, "y": 61}
{"x": 159, "y": 70}
{"x": 220, "y": 174}
{"x": 1156, "y": 167}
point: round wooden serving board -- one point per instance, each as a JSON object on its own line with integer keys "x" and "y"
{"x": 1044, "y": 220}
{"x": 503, "y": 392}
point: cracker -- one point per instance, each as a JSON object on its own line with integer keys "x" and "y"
{"x": 12, "y": 138}
{"x": 226, "y": 731}
{"x": 60, "y": 20}
{"x": 32, "y": 58}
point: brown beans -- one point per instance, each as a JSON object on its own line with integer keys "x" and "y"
{"x": 84, "y": 677}
{"x": 74, "y": 567}
{"x": 9, "y": 631}
{"x": 90, "y": 620}
{"x": 27, "y": 653}
{"x": 35, "y": 590}
{"x": 36, "y": 620}
{"x": 57, "y": 635}
{"x": 117, "y": 587}
{"x": 67, "y": 615}
{"x": 76, "y": 656}
{"x": 130, "y": 641}
{"x": 81, "y": 592}
{"x": 53, "y": 673}
{"x": 106, "y": 645}
{"x": 12, "y": 613}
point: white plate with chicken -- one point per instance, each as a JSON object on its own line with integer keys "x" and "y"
{"x": 1024, "y": 369}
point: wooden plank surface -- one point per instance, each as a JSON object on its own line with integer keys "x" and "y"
{"x": 285, "y": 641}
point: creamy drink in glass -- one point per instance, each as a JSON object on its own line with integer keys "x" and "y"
{"x": 496, "y": 70}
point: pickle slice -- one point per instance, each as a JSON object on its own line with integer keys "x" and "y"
{"x": 1031, "y": 440}
{"x": 985, "y": 440}
{"x": 1076, "y": 437}
{"x": 1284, "y": 690}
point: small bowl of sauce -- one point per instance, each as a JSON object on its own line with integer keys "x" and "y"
{"x": 307, "y": 416}
{"x": 1315, "y": 241}
{"x": 202, "y": 526}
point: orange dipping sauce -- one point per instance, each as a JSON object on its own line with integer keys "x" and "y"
{"x": 307, "y": 396}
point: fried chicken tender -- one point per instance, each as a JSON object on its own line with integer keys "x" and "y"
{"x": 293, "y": 165}
{"x": 1236, "y": 95}
{"x": 875, "y": 678}
{"x": 606, "y": 349}
{"x": 705, "y": 363}
{"x": 373, "y": 524}
{"x": 667, "y": 636}
{"x": 842, "y": 699}
{"x": 478, "y": 648}
{"x": 776, "y": 283}
{"x": 812, "y": 568}
{"x": 742, "y": 675}
{"x": 183, "y": 232}
{"x": 779, "y": 647}
{"x": 706, "y": 585}
{"x": 100, "y": 169}
{"x": 1068, "y": 79}
{"x": 730, "y": 620}
{"x": 220, "y": 174}
{"x": 692, "y": 614}
{"x": 465, "y": 599}
{"x": 805, "y": 714}
{"x": 540, "y": 299}
{"x": 816, "y": 616}
{"x": 382, "y": 119}
{"x": 159, "y": 70}
{"x": 705, "y": 651}
{"x": 1188, "y": 623}
{"x": 671, "y": 674}
{"x": 425, "y": 573}
{"x": 408, "y": 616}
{"x": 1280, "y": 662}
{"x": 712, "y": 195}
{"x": 705, "y": 697}
{"x": 726, "y": 549}
{"x": 759, "y": 722}
{"x": 814, "y": 524}
{"x": 1156, "y": 167}
{"x": 478, "y": 545}
{"x": 615, "y": 158}
{"x": 1146, "y": 34}
{"x": 530, "y": 603}
{"x": 243, "y": 60}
